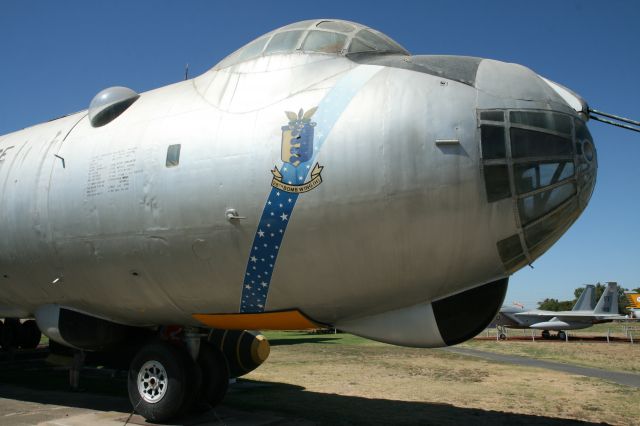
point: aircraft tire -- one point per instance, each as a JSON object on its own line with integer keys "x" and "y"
{"x": 502, "y": 336}
{"x": 29, "y": 335}
{"x": 194, "y": 384}
{"x": 158, "y": 381}
{"x": 215, "y": 374}
{"x": 9, "y": 336}
{"x": 562, "y": 335}
{"x": 546, "y": 334}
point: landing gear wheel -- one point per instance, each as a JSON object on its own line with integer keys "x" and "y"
{"x": 29, "y": 335}
{"x": 546, "y": 334}
{"x": 10, "y": 330}
{"x": 158, "y": 381}
{"x": 562, "y": 335}
{"x": 194, "y": 381}
{"x": 502, "y": 336}
{"x": 215, "y": 374}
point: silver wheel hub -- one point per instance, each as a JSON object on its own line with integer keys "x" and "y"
{"x": 152, "y": 381}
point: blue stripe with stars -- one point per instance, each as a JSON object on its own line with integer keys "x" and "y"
{"x": 279, "y": 207}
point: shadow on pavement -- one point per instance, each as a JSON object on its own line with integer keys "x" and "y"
{"x": 254, "y": 402}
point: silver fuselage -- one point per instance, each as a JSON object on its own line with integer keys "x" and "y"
{"x": 92, "y": 219}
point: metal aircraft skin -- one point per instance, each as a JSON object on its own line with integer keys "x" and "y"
{"x": 584, "y": 313}
{"x": 420, "y": 184}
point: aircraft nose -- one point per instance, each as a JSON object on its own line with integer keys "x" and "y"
{"x": 538, "y": 157}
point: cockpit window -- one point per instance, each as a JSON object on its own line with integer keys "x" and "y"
{"x": 358, "y": 46}
{"x": 324, "y": 41}
{"x": 284, "y": 42}
{"x": 252, "y": 49}
{"x": 327, "y": 37}
{"x": 298, "y": 25}
{"x": 368, "y": 41}
{"x": 340, "y": 26}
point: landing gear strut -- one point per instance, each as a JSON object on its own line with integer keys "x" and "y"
{"x": 215, "y": 374}
{"x": 165, "y": 381}
{"x": 502, "y": 332}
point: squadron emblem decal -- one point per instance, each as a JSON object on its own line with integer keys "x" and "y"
{"x": 297, "y": 148}
{"x": 302, "y": 139}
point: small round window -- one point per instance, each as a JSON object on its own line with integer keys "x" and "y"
{"x": 587, "y": 150}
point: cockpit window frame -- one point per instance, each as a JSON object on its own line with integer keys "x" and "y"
{"x": 315, "y": 25}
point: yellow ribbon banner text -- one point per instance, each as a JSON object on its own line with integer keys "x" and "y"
{"x": 316, "y": 180}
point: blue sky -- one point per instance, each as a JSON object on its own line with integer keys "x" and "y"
{"x": 55, "y": 56}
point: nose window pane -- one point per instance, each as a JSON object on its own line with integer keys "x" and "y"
{"x": 537, "y": 205}
{"x": 509, "y": 248}
{"x": 531, "y": 176}
{"x": 544, "y": 120}
{"x": 584, "y": 143}
{"x": 492, "y": 142}
{"x": 581, "y": 131}
{"x": 492, "y": 115}
{"x": 496, "y": 179}
{"x": 530, "y": 143}
{"x": 552, "y": 225}
{"x": 511, "y": 253}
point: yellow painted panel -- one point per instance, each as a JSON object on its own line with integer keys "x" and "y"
{"x": 282, "y": 320}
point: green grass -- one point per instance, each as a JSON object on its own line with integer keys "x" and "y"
{"x": 277, "y": 338}
{"x": 614, "y": 357}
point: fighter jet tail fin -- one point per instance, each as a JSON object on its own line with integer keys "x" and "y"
{"x": 634, "y": 299}
{"x": 587, "y": 300}
{"x": 608, "y": 303}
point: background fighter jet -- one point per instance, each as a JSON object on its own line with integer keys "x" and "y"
{"x": 508, "y": 318}
{"x": 321, "y": 175}
{"x": 582, "y": 315}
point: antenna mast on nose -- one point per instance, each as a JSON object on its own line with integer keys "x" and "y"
{"x": 597, "y": 115}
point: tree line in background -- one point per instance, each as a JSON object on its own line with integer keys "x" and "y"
{"x": 566, "y": 305}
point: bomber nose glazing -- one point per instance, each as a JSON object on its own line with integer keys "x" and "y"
{"x": 545, "y": 162}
